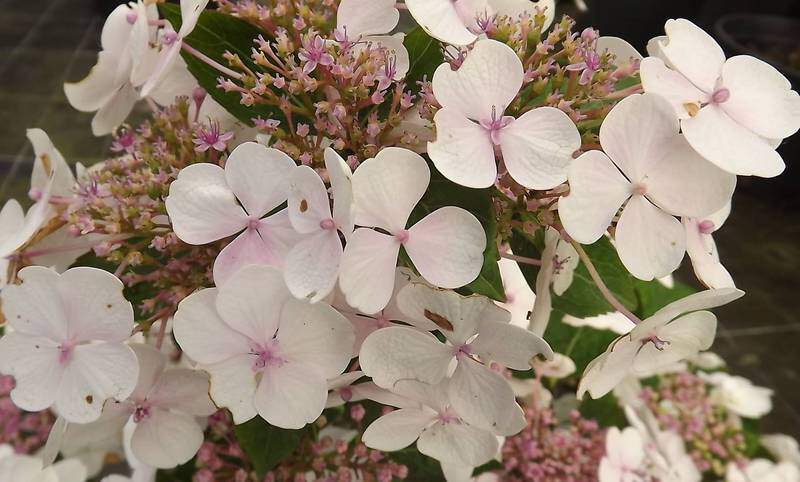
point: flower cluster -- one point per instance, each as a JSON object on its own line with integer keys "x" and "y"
{"x": 339, "y": 243}
{"x": 25, "y": 432}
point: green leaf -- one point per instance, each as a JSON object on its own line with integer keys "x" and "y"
{"x": 214, "y": 34}
{"x": 653, "y": 295}
{"x": 583, "y": 299}
{"x": 443, "y": 192}
{"x": 582, "y": 344}
{"x": 265, "y": 444}
{"x": 425, "y": 55}
{"x": 421, "y": 468}
{"x": 606, "y": 410}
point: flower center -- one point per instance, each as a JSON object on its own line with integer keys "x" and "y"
{"x": 639, "y": 188}
{"x": 65, "y": 352}
{"x": 253, "y": 223}
{"x": 496, "y": 124}
{"x": 266, "y": 355}
{"x": 346, "y": 393}
{"x": 381, "y": 321}
{"x": 327, "y": 224}
{"x": 706, "y": 226}
{"x": 448, "y": 416}
{"x": 720, "y": 95}
{"x": 141, "y": 411}
{"x": 402, "y": 236}
{"x": 462, "y": 351}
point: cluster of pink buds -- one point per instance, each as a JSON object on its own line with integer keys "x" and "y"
{"x": 26, "y": 432}
{"x": 713, "y": 436}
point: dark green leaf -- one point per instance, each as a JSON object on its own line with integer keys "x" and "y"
{"x": 606, "y": 410}
{"x": 425, "y": 55}
{"x": 582, "y": 344}
{"x": 214, "y": 34}
{"x": 443, "y": 192}
{"x": 421, "y": 468}
{"x": 653, "y": 295}
{"x": 266, "y": 445}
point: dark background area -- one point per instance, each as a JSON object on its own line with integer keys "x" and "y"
{"x": 46, "y": 42}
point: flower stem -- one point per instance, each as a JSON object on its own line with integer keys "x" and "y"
{"x": 607, "y": 294}
{"x": 211, "y": 62}
{"x": 521, "y": 259}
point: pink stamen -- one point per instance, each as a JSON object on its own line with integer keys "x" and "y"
{"x": 266, "y": 355}
{"x": 448, "y": 416}
{"x": 639, "y": 188}
{"x": 463, "y": 350}
{"x": 706, "y": 226}
{"x": 346, "y": 393}
{"x": 402, "y": 236}
{"x": 253, "y": 223}
{"x": 169, "y": 37}
{"x": 327, "y": 224}
{"x": 720, "y": 95}
{"x": 131, "y": 17}
{"x": 141, "y": 412}
{"x": 496, "y": 124}
{"x": 65, "y": 352}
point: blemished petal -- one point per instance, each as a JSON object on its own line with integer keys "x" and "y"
{"x": 184, "y": 390}
{"x": 114, "y": 112}
{"x": 367, "y": 272}
{"x": 93, "y": 92}
{"x": 250, "y": 302}
{"x": 312, "y": 266}
{"x": 93, "y": 303}
{"x": 34, "y": 306}
{"x": 458, "y": 443}
{"x": 446, "y": 247}
{"x": 761, "y": 98}
{"x": 456, "y": 316}
{"x": 684, "y": 337}
{"x": 308, "y": 200}
{"x": 538, "y": 146}
{"x": 367, "y": 17}
{"x": 683, "y": 183}
{"x": 247, "y": 249}
{"x": 440, "y": 19}
{"x": 693, "y": 53}
{"x": 702, "y": 251}
{"x": 650, "y": 242}
{"x": 317, "y": 336}
{"x": 729, "y": 145}
{"x": 485, "y": 84}
{"x": 508, "y": 345}
{"x": 463, "y": 150}
{"x": 233, "y": 386}
{"x": 484, "y": 399}
{"x": 258, "y": 176}
{"x": 190, "y": 14}
{"x": 202, "y": 334}
{"x": 292, "y": 395}
{"x": 387, "y": 187}
{"x": 703, "y": 300}
{"x": 401, "y": 353}
{"x": 166, "y": 439}
{"x": 398, "y": 429}
{"x": 34, "y": 363}
{"x": 660, "y": 80}
{"x": 151, "y": 365}
{"x": 342, "y": 187}
{"x": 609, "y": 369}
{"x": 637, "y": 133}
{"x": 201, "y": 206}
{"x": 569, "y": 260}
{"x": 94, "y": 374}
{"x": 49, "y": 160}
{"x": 596, "y": 192}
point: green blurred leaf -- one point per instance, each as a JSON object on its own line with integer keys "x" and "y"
{"x": 425, "y": 55}
{"x": 606, "y": 410}
{"x": 653, "y": 295}
{"x": 214, "y": 34}
{"x": 421, "y": 468}
{"x": 582, "y": 344}
{"x": 265, "y": 444}
{"x": 443, "y": 192}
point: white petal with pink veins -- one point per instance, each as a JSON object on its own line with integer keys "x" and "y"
{"x": 658, "y": 79}
{"x": 702, "y": 251}
{"x": 166, "y": 439}
{"x": 247, "y": 249}
{"x": 33, "y": 361}
{"x": 201, "y": 206}
{"x": 258, "y": 177}
{"x": 397, "y": 430}
{"x": 447, "y": 247}
{"x": 233, "y": 386}
{"x": 366, "y": 275}
{"x": 485, "y": 84}
{"x": 441, "y": 20}
{"x": 249, "y": 303}
{"x": 312, "y": 266}
{"x": 509, "y": 345}
{"x": 538, "y": 146}
{"x": 341, "y": 178}
{"x": 458, "y": 443}
{"x": 292, "y": 395}
{"x": 463, "y": 151}
{"x": 309, "y": 204}
{"x": 367, "y": 17}
{"x": 401, "y": 353}
{"x": 650, "y": 242}
{"x": 693, "y": 53}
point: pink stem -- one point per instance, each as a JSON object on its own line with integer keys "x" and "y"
{"x": 161, "y": 331}
{"x": 521, "y": 259}
{"x": 208, "y": 60}
{"x": 607, "y": 294}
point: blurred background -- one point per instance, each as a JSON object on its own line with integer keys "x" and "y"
{"x": 44, "y": 43}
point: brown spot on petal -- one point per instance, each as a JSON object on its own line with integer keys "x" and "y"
{"x": 440, "y": 320}
{"x": 89, "y": 399}
{"x": 692, "y": 108}
{"x": 108, "y": 306}
{"x": 48, "y": 167}
{"x": 303, "y": 206}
